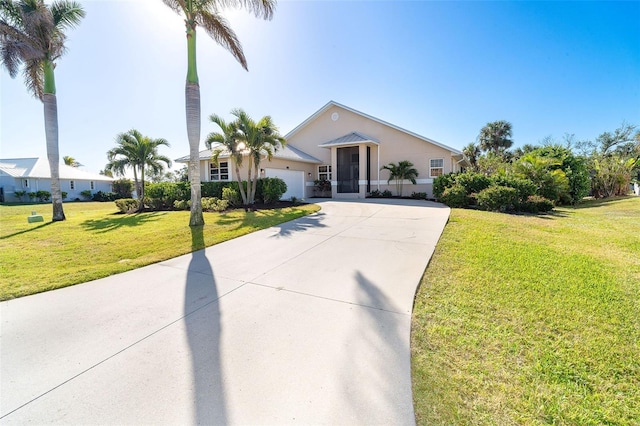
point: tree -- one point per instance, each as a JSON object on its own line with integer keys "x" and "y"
{"x": 206, "y": 13}
{"x": 471, "y": 152}
{"x": 32, "y": 36}
{"x": 228, "y": 140}
{"x": 551, "y": 182}
{"x": 137, "y": 152}
{"x": 70, "y": 161}
{"x": 106, "y": 172}
{"x": 402, "y": 171}
{"x": 496, "y": 137}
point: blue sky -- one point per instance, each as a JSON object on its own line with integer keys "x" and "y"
{"x": 440, "y": 69}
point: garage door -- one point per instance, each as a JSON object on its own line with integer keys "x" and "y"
{"x": 293, "y": 178}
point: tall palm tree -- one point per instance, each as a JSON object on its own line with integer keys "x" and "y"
{"x": 471, "y": 152}
{"x": 496, "y": 137}
{"x": 228, "y": 140}
{"x": 402, "y": 171}
{"x": 262, "y": 139}
{"x": 137, "y": 152}
{"x": 70, "y": 161}
{"x": 206, "y": 13}
{"x": 32, "y": 37}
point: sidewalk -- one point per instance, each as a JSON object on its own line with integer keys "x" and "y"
{"x": 307, "y": 323}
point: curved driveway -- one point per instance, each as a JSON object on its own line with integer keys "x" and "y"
{"x": 306, "y": 323}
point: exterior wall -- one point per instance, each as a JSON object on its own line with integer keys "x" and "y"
{"x": 395, "y": 146}
{"x": 10, "y": 185}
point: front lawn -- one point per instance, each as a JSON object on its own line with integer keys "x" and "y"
{"x": 95, "y": 241}
{"x": 531, "y": 320}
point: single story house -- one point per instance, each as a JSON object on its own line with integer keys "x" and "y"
{"x": 33, "y": 174}
{"x": 347, "y": 148}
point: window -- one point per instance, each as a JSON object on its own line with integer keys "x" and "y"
{"x": 436, "y": 167}
{"x": 26, "y": 183}
{"x": 219, "y": 171}
{"x": 324, "y": 173}
{"x": 92, "y": 185}
{"x": 72, "y": 185}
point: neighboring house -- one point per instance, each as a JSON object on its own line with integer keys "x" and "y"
{"x": 348, "y": 148}
{"x": 33, "y": 174}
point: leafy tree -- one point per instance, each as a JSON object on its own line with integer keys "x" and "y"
{"x": 206, "y": 13}
{"x": 137, "y": 152}
{"x": 575, "y": 168}
{"x": 551, "y": 182}
{"x": 612, "y": 175}
{"x": 123, "y": 188}
{"x": 32, "y": 36}
{"x": 496, "y": 137}
{"x": 400, "y": 172}
{"x": 70, "y": 161}
{"x": 522, "y": 150}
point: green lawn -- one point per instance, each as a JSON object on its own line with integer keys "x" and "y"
{"x": 531, "y": 320}
{"x": 95, "y": 241}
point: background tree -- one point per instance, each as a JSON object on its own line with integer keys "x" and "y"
{"x": 32, "y": 36}
{"x": 206, "y": 13}
{"x": 70, "y": 161}
{"x": 137, "y": 152}
{"x": 496, "y": 137}
{"x": 402, "y": 171}
{"x": 471, "y": 153}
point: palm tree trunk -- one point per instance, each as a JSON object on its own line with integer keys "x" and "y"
{"x": 51, "y": 132}
{"x": 141, "y": 188}
{"x": 240, "y": 185}
{"x": 249, "y": 182}
{"x": 255, "y": 183}
{"x": 192, "y": 103}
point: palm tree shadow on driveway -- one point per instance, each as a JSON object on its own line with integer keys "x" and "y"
{"x": 203, "y": 328}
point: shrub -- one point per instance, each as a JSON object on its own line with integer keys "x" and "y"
{"x": 322, "y": 185}
{"x": 123, "y": 188}
{"x": 214, "y": 204}
{"x": 272, "y": 189}
{"x": 32, "y": 196}
{"x": 375, "y": 193}
{"x": 20, "y": 194}
{"x": 473, "y": 182}
{"x": 419, "y": 195}
{"x": 128, "y": 205}
{"x": 182, "y": 204}
{"x": 537, "y": 204}
{"x": 524, "y": 187}
{"x": 64, "y": 195}
{"x": 455, "y": 196}
{"x": 498, "y": 198}
{"x": 86, "y": 194}
{"x": 231, "y": 195}
{"x": 105, "y": 196}
{"x": 43, "y": 196}
{"x": 387, "y": 194}
{"x": 443, "y": 182}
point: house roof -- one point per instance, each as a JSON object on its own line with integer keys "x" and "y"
{"x": 287, "y": 153}
{"x": 353, "y": 137}
{"x": 39, "y": 168}
{"x": 393, "y": 126}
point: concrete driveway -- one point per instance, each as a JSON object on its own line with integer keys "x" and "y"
{"x": 306, "y": 323}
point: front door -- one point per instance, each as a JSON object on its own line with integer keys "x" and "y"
{"x": 348, "y": 170}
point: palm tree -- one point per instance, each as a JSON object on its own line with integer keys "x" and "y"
{"x": 496, "y": 137}
{"x": 206, "y": 13}
{"x": 70, "y": 161}
{"x": 471, "y": 152}
{"x": 228, "y": 140}
{"x": 261, "y": 139}
{"x": 137, "y": 152}
{"x": 32, "y": 36}
{"x": 402, "y": 171}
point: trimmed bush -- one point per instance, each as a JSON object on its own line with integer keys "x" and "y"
{"x": 387, "y": 194}
{"x": 128, "y": 205}
{"x": 182, "y": 204}
{"x": 214, "y": 204}
{"x": 537, "y": 204}
{"x": 524, "y": 187}
{"x": 64, "y": 195}
{"x": 443, "y": 182}
{"x": 43, "y": 196}
{"x": 86, "y": 194}
{"x": 105, "y": 196}
{"x": 473, "y": 182}
{"x": 123, "y": 188}
{"x": 272, "y": 189}
{"x": 232, "y": 195}
{"x": 497, "y": 198}
{"x": 455, "y": 196}
{"x": 419, "y": 195}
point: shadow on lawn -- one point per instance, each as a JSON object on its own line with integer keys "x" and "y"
{"x": 130, "y": 220}
{"x": 24, "y": 231}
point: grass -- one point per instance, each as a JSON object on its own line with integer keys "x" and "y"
{"x": 95, "y": 241}
{"x": 531, "y": 320}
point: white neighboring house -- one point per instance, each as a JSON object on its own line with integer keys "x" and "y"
{"x": 33, "y": 174}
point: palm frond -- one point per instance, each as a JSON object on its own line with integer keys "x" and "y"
{"x": 34, "y": 78}
{"x": 67, "y": 14}
{"x": 178, "y": 6}
{"x": 218, "y": 29}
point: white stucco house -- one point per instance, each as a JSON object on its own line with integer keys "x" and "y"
{"x": 348, "y": 148}
{"x": 33, "y": 174}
